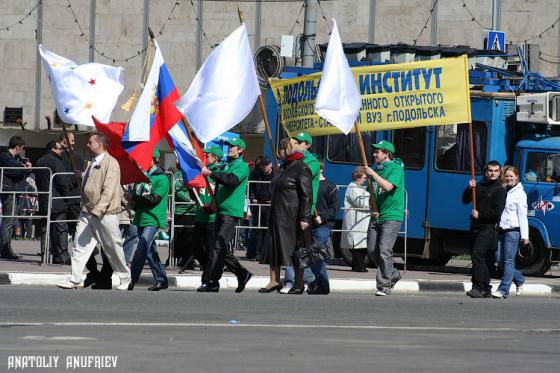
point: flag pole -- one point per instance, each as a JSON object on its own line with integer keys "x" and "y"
{"x": 471, "y": 149}
{"x": 197, "y": 197}
{"x": 373, "y": 204}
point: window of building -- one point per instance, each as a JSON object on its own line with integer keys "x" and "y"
{"x": 410, "y": 146}
{"x": 346, "y": 149}
{"x": 542, "y": 167}
{"x": 452, "y": 147}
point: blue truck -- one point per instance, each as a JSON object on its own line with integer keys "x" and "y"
{"x": 437, "y": 164}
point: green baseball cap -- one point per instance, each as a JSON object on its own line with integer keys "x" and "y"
{"x": 384, "y": 145}
{"x": 236, "y": 142}
{"x": 303, "y": 136}
{"x": 214, "y": 150}
{"x": 156, "y": 154}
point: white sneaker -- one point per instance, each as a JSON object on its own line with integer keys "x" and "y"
{"x": 382, "y": 292}
{"x": 71, "y": 285}
{"x": 497, "y": 294}
{"x": 285, "y": 289}
{"x": 123, "y": 285}
{"x": 519, "y": 290}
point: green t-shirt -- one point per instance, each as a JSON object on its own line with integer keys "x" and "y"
{"x": 391, "y": 204}
{"x": 182, "y": 195}
{"x": 311, "y": 161}
{"x": 157, "y": 215}
{"x": 231, "y": 198}
{"x": 200, "y": 215}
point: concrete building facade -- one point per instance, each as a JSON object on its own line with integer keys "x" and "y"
{"x": 191, "y": 28}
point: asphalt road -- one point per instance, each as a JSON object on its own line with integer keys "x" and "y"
{"x": 183, "y": 331}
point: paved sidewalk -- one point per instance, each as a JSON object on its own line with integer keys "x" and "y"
{"x": 454, "y": 277}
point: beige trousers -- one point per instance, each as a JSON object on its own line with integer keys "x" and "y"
{"x": 92, "y": 230}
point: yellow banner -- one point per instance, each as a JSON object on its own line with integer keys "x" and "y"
{"x": 415, "y": 94}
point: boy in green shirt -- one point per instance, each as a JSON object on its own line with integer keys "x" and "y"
{"x": 383, "y": 230}
{"x": 230, "y": 200}
{"x": 150, "y": 204}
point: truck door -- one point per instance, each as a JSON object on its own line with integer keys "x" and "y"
{"x": 541, "y": 174}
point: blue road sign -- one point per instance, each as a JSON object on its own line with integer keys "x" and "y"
{"x": 496, "y": 40}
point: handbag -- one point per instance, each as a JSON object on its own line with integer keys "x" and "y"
{"x": 308, "y": 252}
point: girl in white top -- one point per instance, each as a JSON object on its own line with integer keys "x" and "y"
{"x": 513, "y": 227}
{"x": 356, "y": 220}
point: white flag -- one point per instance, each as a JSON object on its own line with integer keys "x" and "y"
{"x": 80, "y": 91}
{"x": 224, "y": 90}
{"x": 338, "y": 99}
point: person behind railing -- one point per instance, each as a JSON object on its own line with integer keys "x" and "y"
{"x": 29, "y": 206}
{"x": 61, "y": 185}
{"x": 184, "y": 217}
{"x": 73, "y": 206}
{"x": 356, "y": 220}
{"x": 99, "y": 220}
{"x": 12, "y": 180}
{"x": 128, "y": 230}
{"x": 251, "y": 216}
{"x": 259, "y": 193}
{"x": 150, "y": 205}
{"x": 204, "y": 232}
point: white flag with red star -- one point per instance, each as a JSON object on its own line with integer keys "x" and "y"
{"x": 80, "y": 91}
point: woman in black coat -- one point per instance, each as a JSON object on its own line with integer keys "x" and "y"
{"x": 290, "y": 214}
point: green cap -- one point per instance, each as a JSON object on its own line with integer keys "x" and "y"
{"x": 156, "y": 154}
{"x": 236, "y": 142}
{"x": 214, "y": 150}
{"x": 303, "y": 136}
{"x": 384, "y": 145}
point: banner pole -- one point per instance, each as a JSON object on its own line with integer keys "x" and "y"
{"x": 373, "y": 204}
{"x": 471, "y": 150}
{"x": 269, "y": 134}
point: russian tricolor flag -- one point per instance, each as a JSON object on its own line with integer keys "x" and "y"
{"x": 154, "y": 115}
{"x": 189, "y": 156}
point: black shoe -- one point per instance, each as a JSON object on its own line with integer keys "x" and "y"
{"x": 11, "y": 257}
{"x": 205, "y": 288}
{"x": 475, "y": 293}
{"x": 130, "y": 287}
{"x": 102, "y": 285}
{"x": 90, "y": 280}
{"x": 294, "y": 290}
{"x": 265, "y": 290}
{"x": 242, "y": 281}
{"x": 157, "y": 287}
{"x": 396, "y": 279}
{"x": 317, "y": 291}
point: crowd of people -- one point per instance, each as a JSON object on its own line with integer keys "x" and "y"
{"x": 295, "y": 202}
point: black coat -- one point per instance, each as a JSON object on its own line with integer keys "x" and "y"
{"x": 490, "y": 202}
{"x": 13, "y": 180}
{"x": 292, "y": 198}
{"x": 75, "y": 184}
{"x": 61, "y": 183}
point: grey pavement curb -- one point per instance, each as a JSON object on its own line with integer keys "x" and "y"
{"x": 337, "y": 285}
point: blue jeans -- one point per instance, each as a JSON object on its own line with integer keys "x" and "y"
{"x": 130, "y": 238}
{"x": 315, "y": 276}
{"x": 146, "y": 249}
{"x": 508, "y": 243}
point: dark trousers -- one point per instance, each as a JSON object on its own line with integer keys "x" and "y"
{"x": 203, "y": 238}
{"x": 72, "y": 213}
{"x": 7, "y": 231}
{"x": 59, "y": 238}
{"x": 223, "y": 251}
{"x": 182, "y": 237}
{"x": 484, "y": 241}
{"x": 358, "y": 260}
{"x": 99, "y": 277}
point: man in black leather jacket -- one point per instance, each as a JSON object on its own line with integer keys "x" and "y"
{"x": 490, "y": 202}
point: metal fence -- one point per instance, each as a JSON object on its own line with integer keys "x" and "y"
{"x": 171, "y": 208}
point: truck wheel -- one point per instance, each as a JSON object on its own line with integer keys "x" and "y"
{"x": 533, "y": 259}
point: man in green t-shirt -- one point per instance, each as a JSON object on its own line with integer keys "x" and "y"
{"x": 388, "y": 179}
{"x": 150, "y": 204}
{"x": 302, "y": 143}
{"x": 230, "y": 200}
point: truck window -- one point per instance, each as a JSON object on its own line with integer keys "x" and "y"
{"x": 542, "y": 167}
{"x": 410, "y": 146}
{"x": 452, "y": 147}
{"x": 317, "y": 148}
{"x": 345, "y": 149}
